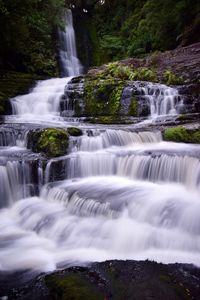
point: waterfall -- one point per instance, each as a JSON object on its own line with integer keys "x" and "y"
{"x": 162, "y": 99}
{"x": 153, "y": 99}
{"x": 118, "y": 193}
{"x": 99, "y": 140}
{"x": 43, "y": 102}
{"x": 70, "y": 65}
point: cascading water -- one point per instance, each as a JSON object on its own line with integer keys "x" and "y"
{"x": 70, "y": 64}
{"x": 117, "y": 194}
{"x": 163, "y": 100}
{"x": 153, "y": 99}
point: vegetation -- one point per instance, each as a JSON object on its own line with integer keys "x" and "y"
{"x": 133, "y": 107}
{"x": 74, "y": 131}
{"x": 72, "y": 287}
{"x": 171, "y": 79}
{"x": 134, "y": 28}
{"x": 27, "y": 35}
{"x": 131, "y": 28}
{"x": 50, "y": 141}
{"x": 102, "y": 96}
{"x": 181, "y": 134}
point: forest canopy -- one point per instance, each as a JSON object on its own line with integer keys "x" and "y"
{"x": 27, "y": 29}
{"x": 121, "y": 28}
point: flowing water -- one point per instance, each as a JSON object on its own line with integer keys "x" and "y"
{"x": 70, "y": 64}
{"x": 119, "y": 193}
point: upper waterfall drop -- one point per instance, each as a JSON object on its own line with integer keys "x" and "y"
{"x": 70, "y": 64}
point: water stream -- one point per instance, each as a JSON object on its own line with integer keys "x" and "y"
{"x": 118, "y": 193}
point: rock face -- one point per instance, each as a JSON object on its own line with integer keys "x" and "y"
{"x": 72, "y": 101}
{"x": 52, "y": 142}
{"x": 117, "y": 280}
{"x": 183, "y": 62}
{"x": 122, "y": 89}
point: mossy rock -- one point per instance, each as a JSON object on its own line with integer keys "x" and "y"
{"x": 73, "y": 131}
{"x": 50, "y": 141}
{"x": 182, "y": 135}
{"x": 72, "y": 287}
{"x": 102, "y": 96}
{"x": 133, "y": 107}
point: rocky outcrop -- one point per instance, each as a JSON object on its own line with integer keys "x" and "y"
{"x": 107, "y": 280}
{"x": 51, "y": 142}
{"x": 115, "y": 91}
{"x": 184, "y": 62}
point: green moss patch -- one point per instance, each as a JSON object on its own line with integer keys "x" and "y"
{"x": 181, "y": 134}
{"x": 74, "y": 131}
{"x": 133, "y": 107}
{"x": 51, "y": 141}
{"x": 72, "y": 287}
{"x": 102, "y": 96}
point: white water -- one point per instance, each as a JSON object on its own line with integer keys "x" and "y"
{"x": 163, "y": 100}
{"x": 43, "y": 102}
{"x": 70, "y": 64}
{"x": 122, "y": 219}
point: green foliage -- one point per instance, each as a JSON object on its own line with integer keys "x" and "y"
{"x": 119, "y": 71}
{"x": 51, "y": 141}
{"x": 134, "y": 28}
{"x": 144, "y": 74}
{"x": 112, "y": 45}
{"x": 116, "y": 70}
{"x": 171, "y": 79}
{"x": 27, "y": 36}
{"x": 181, "y": 134}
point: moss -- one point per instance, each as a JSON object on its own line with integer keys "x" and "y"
{"x": 170, "y": 78}
{"x": 51, "y": 141}
{"x": 74, "y": 131}
{"x": 133, "y": 107}
{"x": 181, "y": 134}
{"x": 77, "y": 108}
{"x": 102, "y": 96}
{"x": 104, "y": 120}
{"x": 72, "y": 287}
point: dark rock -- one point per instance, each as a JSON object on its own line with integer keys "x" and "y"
{"x": 107, "y": 280}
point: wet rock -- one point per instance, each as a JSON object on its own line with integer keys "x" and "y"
{"x": 73, "y": 131}
{"x": 52, "y": 142}
{"x": 72, "y": 103}
{"x": 107, "y": 280}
